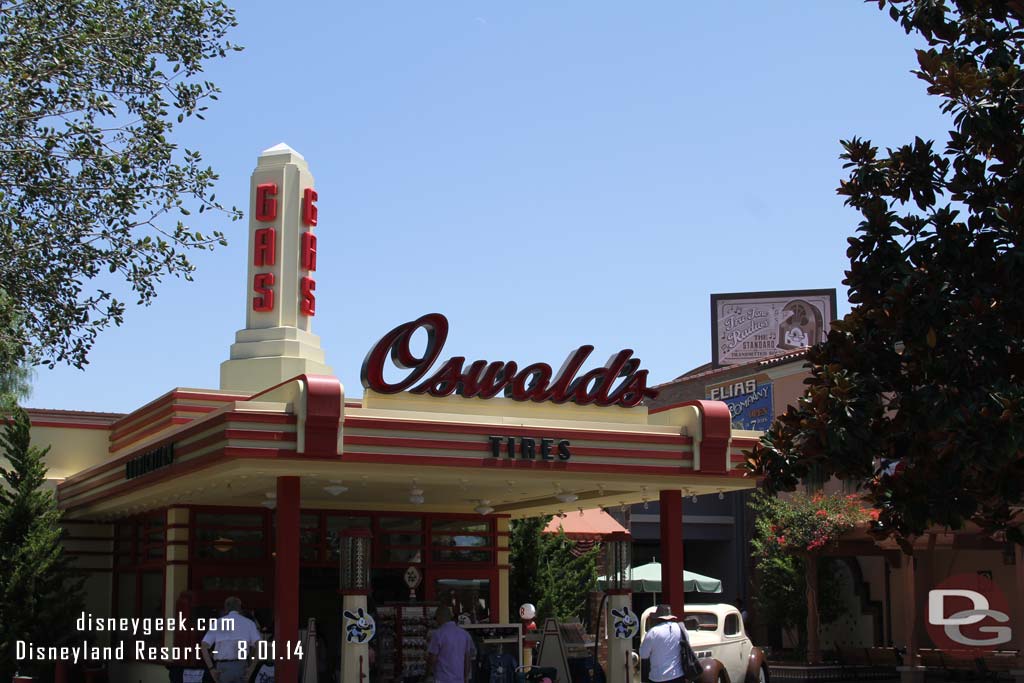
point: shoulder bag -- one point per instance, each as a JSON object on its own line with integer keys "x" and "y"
{"x": 692, "y": 668}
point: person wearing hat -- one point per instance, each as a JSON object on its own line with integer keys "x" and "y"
{"x": 662, "y": 645}
{"x": 451, "y": 651}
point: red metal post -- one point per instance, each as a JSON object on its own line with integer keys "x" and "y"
{"x": 671, "y": 503}
{"x": 286, "y": 579}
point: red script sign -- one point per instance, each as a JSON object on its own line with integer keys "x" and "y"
{"x": 535, "y": 382}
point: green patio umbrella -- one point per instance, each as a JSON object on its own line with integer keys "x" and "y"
{"x": 647, "y": 579}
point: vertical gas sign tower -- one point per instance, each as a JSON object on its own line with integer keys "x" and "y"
{"x": 280, "y": 302}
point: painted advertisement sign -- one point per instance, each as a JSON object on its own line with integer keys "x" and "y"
{"x": 754, "y": 325}
{"x": 749, "y": 400}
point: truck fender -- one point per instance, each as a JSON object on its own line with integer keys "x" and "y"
{"x": 755, "y": 661}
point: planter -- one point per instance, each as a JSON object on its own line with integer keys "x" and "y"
{"x": 790, "y": 672}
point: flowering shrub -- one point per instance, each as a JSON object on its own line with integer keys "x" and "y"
{"x": 807, "y": 524}
{"x": 787, "y": 532}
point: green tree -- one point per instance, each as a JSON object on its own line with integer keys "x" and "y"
{"x": 91, "y": 181}
{"x": 549, "y": 571}
{"x": 15, "y": 369}
{"x": 524, "y": 558}
{"x": 918, "y": 393}
{"x": 40, "y": 595}
{"x": 789, "y": 537}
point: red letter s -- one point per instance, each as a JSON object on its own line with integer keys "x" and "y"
{"x": 263, "y": 285}
{"x": 307, "y": 304}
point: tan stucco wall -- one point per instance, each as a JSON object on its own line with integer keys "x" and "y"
{"x": 71, "y": 450}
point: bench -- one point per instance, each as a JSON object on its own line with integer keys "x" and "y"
{"x": 997, "y": 664}
{"x": 959, "y": 665}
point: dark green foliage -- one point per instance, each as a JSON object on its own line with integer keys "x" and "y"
{"x": 918, "y": 393}
{"x": 15, "y": 371}
{"x": 40, "y": 596}
{"x": 91, "y": 181}
{"x": 547, "y": 573}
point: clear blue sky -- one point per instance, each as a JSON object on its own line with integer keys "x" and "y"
{"x": 544, "y": 174}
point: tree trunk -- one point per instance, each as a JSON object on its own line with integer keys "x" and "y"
{"x": 909, "y": 609}
{"x": 813, "y": 639}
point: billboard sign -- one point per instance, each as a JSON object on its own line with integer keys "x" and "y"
{"x": 749, "y": 326}
{"x": 749, "y": 400}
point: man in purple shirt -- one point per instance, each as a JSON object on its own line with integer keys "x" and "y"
{"x": 451, "y": 651}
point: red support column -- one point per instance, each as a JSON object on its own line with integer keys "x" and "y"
{"x": 671, "y": 503}
{"x": 286, "y": 579}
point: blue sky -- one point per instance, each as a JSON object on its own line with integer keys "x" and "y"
{"x": 544, "y": 174}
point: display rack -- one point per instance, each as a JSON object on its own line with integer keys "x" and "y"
{"x": 403, "y": 635}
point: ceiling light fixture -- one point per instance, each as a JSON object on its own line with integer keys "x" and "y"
{"x": 416, "y": 494}
{"x": 721, "y": 495}
{"x": 484, "y": 508}
{"x": 566, "y": 497}
{"x": 335, "y": 488}
{"x": 269, "y": 504}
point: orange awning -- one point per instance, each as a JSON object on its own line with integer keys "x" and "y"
{"x": 592, "y": 524}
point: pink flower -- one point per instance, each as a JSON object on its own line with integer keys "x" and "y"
{"x": 821, "y": 513}
{"x": 781, "y": 540}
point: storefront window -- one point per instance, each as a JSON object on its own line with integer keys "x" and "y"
{"x": 222, "y": 519}
{"x": 125, "y": 545}
{"x": 401, "y": 539}
{"x": 309, "y": 537}
{"x": 462, "y": 555}
{"x": 140, "y": 555}
{"x": 469, "y": 599}
{"x": 234, "y": 536}
{"x": 459, "y": 540}
{"x": 460, "y": 526}
{"x": 234, "y": 584}
{"x": 403, "y": 555}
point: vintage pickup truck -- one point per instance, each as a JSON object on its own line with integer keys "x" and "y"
{"x": 717, "y": 635}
